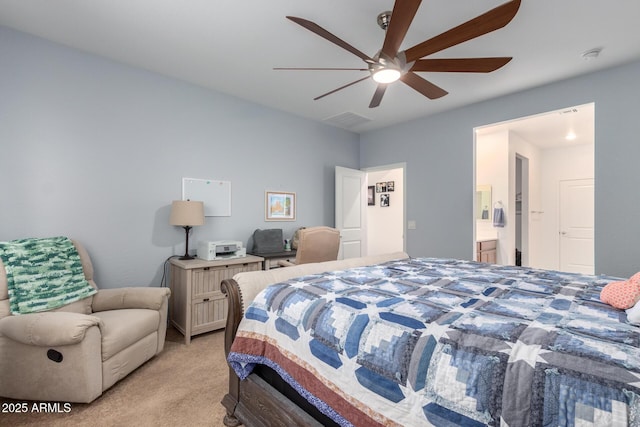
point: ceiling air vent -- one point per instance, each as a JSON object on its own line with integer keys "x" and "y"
{"x": 346, "y": 120}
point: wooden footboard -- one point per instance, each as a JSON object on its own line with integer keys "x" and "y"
{"x": 234, "y": 300}
{"x": 253, "y": 402}
{"x": 262, "y": 405}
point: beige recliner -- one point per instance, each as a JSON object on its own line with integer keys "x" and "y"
{"x": 316, "y": 244}
{"x": 74, "y": 353}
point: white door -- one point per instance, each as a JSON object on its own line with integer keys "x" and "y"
{"x": 576, "y": 226}
{"x": 351, "y": 194}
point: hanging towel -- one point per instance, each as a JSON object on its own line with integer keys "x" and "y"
{"x": 498, "y": 216}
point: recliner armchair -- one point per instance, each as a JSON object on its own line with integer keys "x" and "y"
{"x": 75, "y": 352}
{"x": 316, "y": 244}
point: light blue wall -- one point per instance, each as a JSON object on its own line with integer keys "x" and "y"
{"x": 439, "y": 155}
{"x": 96, "y": 150}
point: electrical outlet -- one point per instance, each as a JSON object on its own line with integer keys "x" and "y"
{"x": 411, "y": 225}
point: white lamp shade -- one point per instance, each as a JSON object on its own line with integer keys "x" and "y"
{"x": 186, "y": 213}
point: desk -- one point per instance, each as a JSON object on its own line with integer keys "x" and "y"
{"x": 271, "y": 258}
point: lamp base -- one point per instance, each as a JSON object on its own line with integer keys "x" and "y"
{"x": 186, "y": 245}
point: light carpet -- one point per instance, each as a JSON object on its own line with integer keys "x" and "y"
{"x": 182, "y": 386}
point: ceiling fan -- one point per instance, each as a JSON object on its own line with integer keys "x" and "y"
{"x": 390, "y": 64}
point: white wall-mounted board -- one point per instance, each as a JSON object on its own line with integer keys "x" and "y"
{"x": 215, "y": 194}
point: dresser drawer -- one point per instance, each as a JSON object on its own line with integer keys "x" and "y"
{"x": 486, "y": 251}
{"x": 487, "y": 245}
{"x": 207, "y": 280}
{"x": 209, "y": 314}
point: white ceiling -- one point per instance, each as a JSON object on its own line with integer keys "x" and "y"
{"x": 550, "y": 129}
{"x": 232, "y": 46}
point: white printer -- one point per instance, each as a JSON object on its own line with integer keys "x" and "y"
{"x": 221, "y": 249}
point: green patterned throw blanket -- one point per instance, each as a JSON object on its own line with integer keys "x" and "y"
{"x": 43, "y": 274}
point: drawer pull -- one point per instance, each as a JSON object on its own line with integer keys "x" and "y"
{"x": 205, "y": 300}
{"x": 206, "y": 268}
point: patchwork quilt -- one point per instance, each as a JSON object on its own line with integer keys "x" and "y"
{"x": 441, "y": 342}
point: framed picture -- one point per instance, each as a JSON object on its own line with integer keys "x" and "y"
{"x": 384, "y": 200}
{"x": 371, "y": 197}
{"x": 391, "y": 185}
{"x": 381, "y": 187}
{"x": 280, "y": 206}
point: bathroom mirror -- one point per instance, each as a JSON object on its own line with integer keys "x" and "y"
{"x": 483, "y": 202}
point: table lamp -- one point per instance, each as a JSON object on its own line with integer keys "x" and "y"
{"x": 186, "y": 214}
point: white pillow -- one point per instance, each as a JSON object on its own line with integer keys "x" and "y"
{"x": 633, "y": 314}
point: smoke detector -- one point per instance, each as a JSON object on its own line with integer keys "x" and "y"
{"x": 591, "y": 54}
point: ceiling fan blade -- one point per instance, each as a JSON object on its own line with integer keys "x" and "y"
{"x": 490, "y": 21}
{"x": 313, "y": 27}
{"x": 401, "y": 18}
{"x": 340, "y": 88}
{"x": 460, "y": 65}
{"x": 423, "y": 86}
{"x": 324, "y": 69}
{"x": 377, "y": 96}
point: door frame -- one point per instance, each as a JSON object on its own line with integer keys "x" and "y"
{"x": 542, "y": 221}
{"x": 524, "y": 209}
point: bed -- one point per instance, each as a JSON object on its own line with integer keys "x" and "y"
{"x": 401, "y": 341}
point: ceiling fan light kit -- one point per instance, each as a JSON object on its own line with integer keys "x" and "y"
{"x": 391, "y": 64}
{"x": 386, "y": 75}
{"x": 384, "y": 71}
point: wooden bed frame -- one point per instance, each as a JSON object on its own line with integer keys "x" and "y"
{"x": 253, "y": 402}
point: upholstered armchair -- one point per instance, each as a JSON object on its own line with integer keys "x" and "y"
{"x": 75, "y": 352}
{"x": 316, "y": 244}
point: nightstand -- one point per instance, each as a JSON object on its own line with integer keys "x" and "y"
{"x": 197, "y": 304}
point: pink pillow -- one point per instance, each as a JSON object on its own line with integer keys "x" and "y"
{"x": 622, "y": 295}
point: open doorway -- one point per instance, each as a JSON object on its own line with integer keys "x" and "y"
{"x": 524, "y": 161}
{"x": 386, "y": 211}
